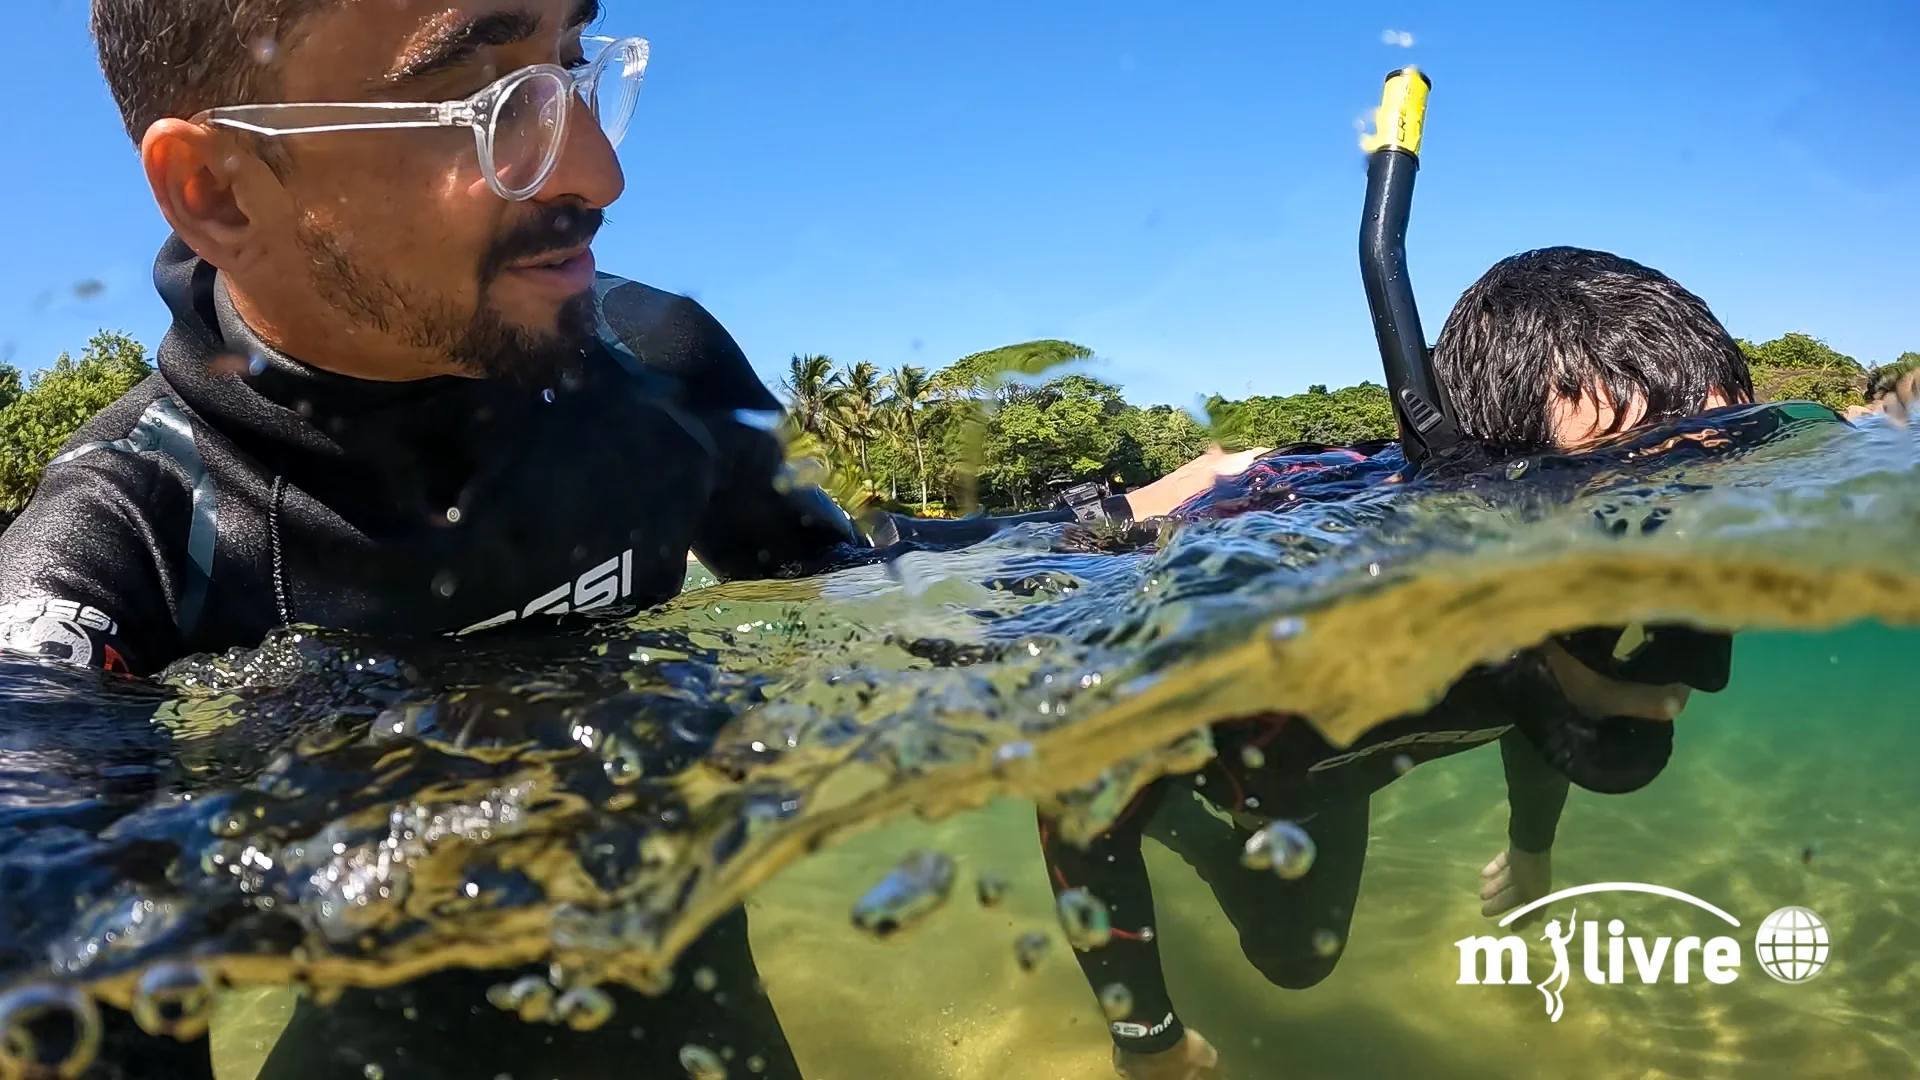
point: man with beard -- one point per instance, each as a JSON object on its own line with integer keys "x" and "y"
{"x": 397, "y": 398}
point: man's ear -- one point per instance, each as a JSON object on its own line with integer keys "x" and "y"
{"x": 211, "y": 190}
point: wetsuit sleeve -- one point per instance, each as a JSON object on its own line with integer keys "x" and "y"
{"x": 84, "y": 575}
{"x": 1113, "y": 869}
{"x": 1536, "y": 794}
{"x": 759, "y": 523}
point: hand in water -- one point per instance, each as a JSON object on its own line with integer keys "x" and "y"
{"x": 1597, "y": 695}
{"x": 1513, "y": 879}
{"x": 1193, "y": 1058}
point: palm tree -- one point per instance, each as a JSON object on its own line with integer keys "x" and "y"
{"x": 910, "y": 389}
{"x": 854, "y": 400}
{"x": 809, "y": 388}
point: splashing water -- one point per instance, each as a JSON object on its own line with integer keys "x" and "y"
{"x": 336, "y": 810}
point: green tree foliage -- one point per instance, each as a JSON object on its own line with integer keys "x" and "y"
{"x": 36, "y": 421}
{"x": 1347, "y": 415}
{"x": 1883, "y": 377}
{"x": 1799, "y": 367}
{"x": 985, "y": 431}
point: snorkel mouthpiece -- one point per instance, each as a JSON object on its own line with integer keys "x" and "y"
{"x": 1420, "y": 405}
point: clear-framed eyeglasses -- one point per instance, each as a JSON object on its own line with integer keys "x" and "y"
{"x": 519, "y": 121}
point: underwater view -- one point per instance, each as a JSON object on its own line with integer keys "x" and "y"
{"x": 332, "y": 811}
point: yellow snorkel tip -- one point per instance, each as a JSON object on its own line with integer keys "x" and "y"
{"x": 1402, "y": 112}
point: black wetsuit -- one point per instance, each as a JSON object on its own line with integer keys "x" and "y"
{"x": 1278, "y": 768}
{"x": 238, "y": 490}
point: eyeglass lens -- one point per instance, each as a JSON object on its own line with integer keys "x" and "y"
{"x": 530, "y": 118}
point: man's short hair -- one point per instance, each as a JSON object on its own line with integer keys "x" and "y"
{"x": 176, "y": 58}
{"x": 1562, "y": 321}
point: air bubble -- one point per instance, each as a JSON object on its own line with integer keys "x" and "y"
{"x": 584, "y": 1008}
{"x": 701, "y": 1063}
{"x": 1517, "y": 469}
{"x": 530, "y": 997}
{"x": 30, "y": 1014}
{"x": 1282, "y": 847}
{"x": 1116, "y": 1001}
{"x": 175, "y": 1000}
{"x": 991, "y": 889}
{"x": 915, "y": 889}
{"x": 1030, "y": 948}
{"x": 1084, "y": 917}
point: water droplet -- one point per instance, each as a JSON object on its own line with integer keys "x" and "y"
{"x": 1325, "y": 942}
{"x": 1008, "y": 755}
{"x": 1084, "y": 917}
{"x": 176, "y": 1000}
{"x": 1283, "y": 847}
{"x": 991, "y": 889}
{"x": 1030, "y": 948}
{"x": 912, "y": 891}
{"x": 1252, "y": 757}
{"x": 1286, "y": 629}
{"x": 1402, "y": 764}
{"x": 264, "y": 49}
{"x": 453, "y": 515}
{"x": 444, "y": 584}
{"x": 1517, "y": 469}
{"x": 705, "y": 980}
{"x": 584, "y": 1008}
{"x": 373, "y": 1071}
{"x": 1116, "y": 1001}
{"x": 547, "y": 395}
{"x": 701, "y": 1063}
{"x": 30, "y": 1014}
{"x": 256, "y": 363}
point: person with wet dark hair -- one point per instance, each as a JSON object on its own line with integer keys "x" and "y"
{"x": 1556, "y": 350}
{"x": 1549, "y": 337}
{"x": 398, "y": 398}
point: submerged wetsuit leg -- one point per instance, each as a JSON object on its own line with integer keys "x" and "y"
{"x": 1291, "y": 931}
{"x": 1112, "y": 869}
{"x": 442, "y": 1028}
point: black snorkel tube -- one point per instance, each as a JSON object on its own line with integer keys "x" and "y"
{"x": 1420, "y": 406}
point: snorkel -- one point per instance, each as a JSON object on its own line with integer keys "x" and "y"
{"x": 1420, "y": 405}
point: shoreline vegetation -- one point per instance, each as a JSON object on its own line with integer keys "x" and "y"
{"x": 1001, "y": 430}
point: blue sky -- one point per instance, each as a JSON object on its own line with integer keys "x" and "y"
{"x": 1175, "y": 185}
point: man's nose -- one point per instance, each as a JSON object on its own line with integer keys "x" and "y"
{"x": 587, "y": 169}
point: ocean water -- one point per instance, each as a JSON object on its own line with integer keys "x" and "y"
{"x": 788, "y": 743}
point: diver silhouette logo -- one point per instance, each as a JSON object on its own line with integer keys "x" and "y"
{"x": 1792, "y": 945}
{"x": 1557, "y": 978}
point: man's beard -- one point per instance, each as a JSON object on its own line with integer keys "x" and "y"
{"x": 481, "y": 342}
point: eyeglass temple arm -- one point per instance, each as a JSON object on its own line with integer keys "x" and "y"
{"x": 394, "y": 115}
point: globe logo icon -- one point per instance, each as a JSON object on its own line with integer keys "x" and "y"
{"x": 1791, "y": 944}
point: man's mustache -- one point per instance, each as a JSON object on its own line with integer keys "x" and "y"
{"x": 550, "y": 230}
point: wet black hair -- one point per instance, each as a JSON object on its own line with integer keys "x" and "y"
{"x": 176, "y": 58}
{"x": 1555, "y": 322}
